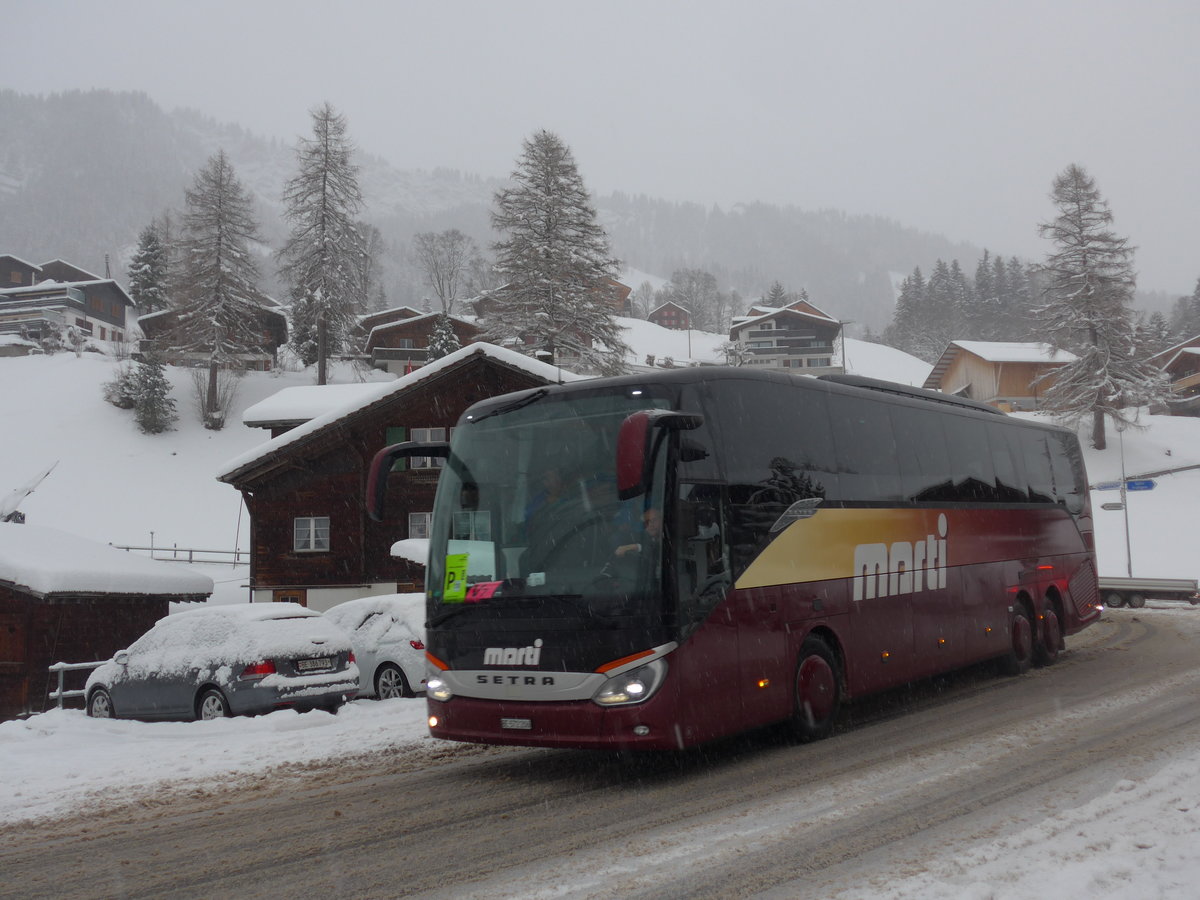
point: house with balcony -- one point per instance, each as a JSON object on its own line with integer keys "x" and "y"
{"x": 1181, "y": 366}
{"x": 801, "y": 337}
{"x": 96, "y": 307}
{"x": 1010, "y": 376}
{"x": 401, "y": 345}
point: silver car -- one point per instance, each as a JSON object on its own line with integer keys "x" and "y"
{"x": 218, "y": 661}
{"x": 388, "y": 636}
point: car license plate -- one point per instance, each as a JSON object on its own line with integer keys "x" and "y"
{"x": 310, "y": 665}
{"x": 517, "y": 724}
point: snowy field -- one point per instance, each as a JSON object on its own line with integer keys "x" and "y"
{"x": 113, "y": 484}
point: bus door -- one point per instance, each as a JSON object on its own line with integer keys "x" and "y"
{"x": 708, "y": 628}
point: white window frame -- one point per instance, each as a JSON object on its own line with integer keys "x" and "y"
{"x": 310, "y": 534}
{"x": 418, "y": 524}
{"x": 426, "y": 435}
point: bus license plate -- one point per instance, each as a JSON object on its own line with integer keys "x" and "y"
{"x": 517, "y": 724}
{"x": 309, "y": 665}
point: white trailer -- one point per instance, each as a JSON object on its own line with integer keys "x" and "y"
{"x": 1134, "y": 592}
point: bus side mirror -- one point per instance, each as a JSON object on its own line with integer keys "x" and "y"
{"x": 381, "y": 467}
{"x": 637, "y": 443}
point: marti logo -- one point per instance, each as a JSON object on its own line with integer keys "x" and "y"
{"x": 513, "y": 656}
{"x": 880, "y": 571}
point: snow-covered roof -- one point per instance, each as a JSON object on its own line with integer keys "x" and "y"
{"x": 23, "y": 262}
{"x": 1010, "y": 351}
{"x": 387, "y": 389}
{"x": 997, "y": 352}
{"x": 43, "y": 287}
{"x": 304, "y": 402}
{"x": 44, "y": 561}
{"x": 759, "y": 314}
{"x": 15, "y": 340}
{"x": 399, "y": 323}
{"x": 412, "y": 549}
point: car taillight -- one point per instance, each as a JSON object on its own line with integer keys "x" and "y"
{"x": 417, "y": 645}
{"x": 259, "y": 670}
{"x": 351, "y": 658}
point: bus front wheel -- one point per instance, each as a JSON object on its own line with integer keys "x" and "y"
{"x": 818, "y": 691}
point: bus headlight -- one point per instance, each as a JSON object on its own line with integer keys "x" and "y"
{"x": 437, "y": 688}
{"x": 633, "y": 686}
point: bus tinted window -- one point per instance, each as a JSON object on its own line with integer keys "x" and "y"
{"x": 971, "y": 459}
{"x": 867, "y": 466}
{"x": 1008, "y": 461}
{"x": 1038, "y": 472}
{"x": 777, "y": 451}
{"x": 1070, "y": 484}
{"x": 925, "y": 470}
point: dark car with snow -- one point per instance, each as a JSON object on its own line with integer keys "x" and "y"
{"x": 387, "y": 633}
{"x": 219, "y": 661}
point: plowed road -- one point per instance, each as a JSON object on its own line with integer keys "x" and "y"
{"x": 973, "y": 754}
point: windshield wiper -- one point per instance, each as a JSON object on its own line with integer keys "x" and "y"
{"x": 514, "y": 405}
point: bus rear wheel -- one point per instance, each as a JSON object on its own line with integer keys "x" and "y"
{"x": 1046, "y": 649}
{"x": 818, "y": 694}
{"x": 1020, "y": 652}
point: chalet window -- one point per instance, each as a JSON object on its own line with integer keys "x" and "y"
{"x": 472, "y": 525}
{"x": 418, "y": 524}
{"x": 311, "y": 534}
{"x": 405, "y": 344}
{"x": 429, "y": 434}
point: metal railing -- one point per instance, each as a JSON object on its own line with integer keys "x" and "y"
{"x": 62, "y": 668}
{"x": 176, "y": 553}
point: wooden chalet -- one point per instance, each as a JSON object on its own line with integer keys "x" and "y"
{"x": 671, "y": 315}
{"x": 401, "y": 345}
{"x": 1181, "y": 366}
{"x": 66, "y": 599}
{"x": 157, "y": 326}
{"x": 1005, "y": 375}
{"x": 799, "y": 336}
{"x": 311, "y": 539}
{"x": 15, "y": 272}
{"x": 55, "y": 296}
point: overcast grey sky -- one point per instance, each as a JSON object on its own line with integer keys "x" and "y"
{"x": 949, "y": 115}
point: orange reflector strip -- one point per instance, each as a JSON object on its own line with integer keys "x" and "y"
{"x": 763, "y": 682}
{"x": 617, "y": 663}
{"x": 1046, "y": 568}
{"x": 435, "y": 661}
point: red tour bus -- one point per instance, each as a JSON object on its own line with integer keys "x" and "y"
{"x": 658, "y": 560}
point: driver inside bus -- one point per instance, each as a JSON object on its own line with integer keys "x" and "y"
{"x": 649, "y": 538}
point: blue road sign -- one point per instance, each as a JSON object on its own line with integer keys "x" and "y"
{"x": 1145, "y": 484}
{"x": 1109, "y": 486}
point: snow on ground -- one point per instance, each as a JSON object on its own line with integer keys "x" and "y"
{"x": 114, "y": 484}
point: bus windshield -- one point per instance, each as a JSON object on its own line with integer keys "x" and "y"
{"x": 527, "y": 514}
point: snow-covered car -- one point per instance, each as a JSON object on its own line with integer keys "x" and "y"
{"x": 388, "y": 636}
{"x": 218, "y": 661}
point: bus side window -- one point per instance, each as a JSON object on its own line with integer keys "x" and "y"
{"x": 1038, "y": 470}
{"x": 702, "y": 552}
{"x": 925, "y": 471}
{"x": 1070, "y": 486}
{"x": 866, "y": 450}
{"x": 971, "y": 459}
{"x": 1009, "y": 463}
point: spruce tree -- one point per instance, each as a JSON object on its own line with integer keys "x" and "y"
{"x": 149, "y": 271}
{"x": 443, "y": 341}
{"x": 220, "y": 313}
{"x": 322, "y": 260}
{"x": 555, "y": 264}
{"x": 776, "y": 296}
{"x": 154, "y": 409}
{"x": 1088, "y": 284}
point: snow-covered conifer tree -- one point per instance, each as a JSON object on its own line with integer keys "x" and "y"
{"x": 148, "y": 272}
{"x": 153, "y": 407}
{"x": 220, "y": 313}
{"x": 443, "y": 341}
{"x": 323, "y": 259}
{"x": 1088, "y": 283}
{"x": 555, "y": 265}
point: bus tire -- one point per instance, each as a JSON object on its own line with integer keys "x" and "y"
{"x": 1046, "y": 648}
{"x": 1136, "y": 601}
{"x": 1113, "y": 600}
{"x": 818, "y": 690}
{"x": 1020, "y": 652}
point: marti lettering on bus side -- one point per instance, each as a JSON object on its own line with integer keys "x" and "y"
{"x": 904, "y": 568}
